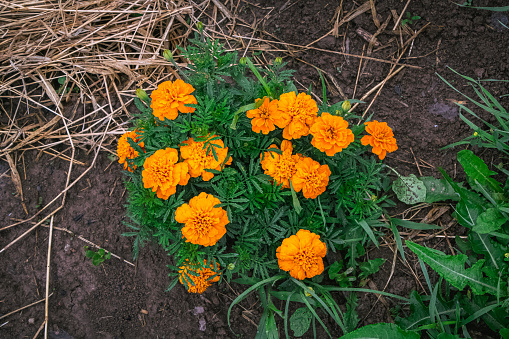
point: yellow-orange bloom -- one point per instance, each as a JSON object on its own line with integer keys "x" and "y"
{"x": 201, "y": 281}
{"x": 331, "y": 134}
{"x": 281, "y": 167}
{"x": 302, "y": 254}
{"x": 381, "y": 138}
{"x": 162, "y": 173}
{"x": 170, "y": 98}
{"x": 125, "y": 151}
{"x": 204, "y": 223}
{"x": 311, "y": 177}
{"x": 199, "y": 159}
{"x": 301, "y": 113}
{"x": 266, "y": 117}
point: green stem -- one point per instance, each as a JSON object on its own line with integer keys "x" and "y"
{"x": 258, "y": 75}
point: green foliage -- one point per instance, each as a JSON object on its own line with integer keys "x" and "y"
{"x": 381, "y": 331}
{"x": 486, "y": 135}
{"x": 97, "y": 257}
{"x": 410, "y": 19}
{"x": 300, "y": 321}
{"x": 261, "y": 213}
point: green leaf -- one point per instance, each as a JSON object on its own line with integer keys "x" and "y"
{"x": 476, "y": 169}
{"x": 381, "y": 331}
{"x": 370, "y": 267}
{"x": 409, "y": 190}
{"x": 300, "y": 321}
{"x": 489, "y": 221}
{"x": 438, "y": 190}
{"x": 452, "y": 268}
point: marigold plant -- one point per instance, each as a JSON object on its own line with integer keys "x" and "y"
{"x": 381, "y": 138}
{"x": 281, "y": 167}
{"x": 172, "y": 97}
{"x": 331, "y": 134}
{"x": 301, "y": 111}
{"x": 125, "y": 150}
{"x": 218, "y": 175}
{"x": 204, "y": 223}
{"x": 265, "y": 118}
{"x": 199, "y": 158}
{"x": 198, "y": 280}
{"x": 162, "y": 173}
{"x": 301, "y": 255}
{"x": 310, "y": 177}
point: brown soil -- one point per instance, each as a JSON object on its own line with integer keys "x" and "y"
{"x": 117, "y": 300}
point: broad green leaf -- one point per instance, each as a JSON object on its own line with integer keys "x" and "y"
{"x": 489, "y": 221}
{"x": 452, "y": 268}
{"x": 504, "y": 333}
{"x": 492, "y": 250}
{"x": 300, "y": 321}
{"x": 381, "y": 331}
{"x": 476, "y": 169}
{"x": 414, "y": 225}
{"x": 438, "y": 190}
{"x": 409, "y": 190}
{"x": 444, "y": 335}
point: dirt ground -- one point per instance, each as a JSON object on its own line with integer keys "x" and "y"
{"x": 117, "y": 300}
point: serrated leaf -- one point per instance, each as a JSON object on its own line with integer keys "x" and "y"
{"x": 452, "y": 268}
{"x": 370, "y": 267}
{"x": 381, "y": 331}
{"x": 300, "y": 321}
{"x": 476, "y": 169}
{"x": 438, "y": 190}
{"x": 490, "y": 248}
{"x": 489, "y": 221}
{"x": 409, "y": 190}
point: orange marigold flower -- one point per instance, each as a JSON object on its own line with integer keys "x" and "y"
{"x": 311, "y": 177}
{"x": 331, "y": 134}
{"x": 199, "y": 159}
{"x": 301, "y": 113}
{"x": 381, "y": 138}
{"x": 266, "y": 117}
{"x": 170, "y": 98}
{"x": 204, "y": 223}
{"x": 281, "y": 167}
{"x": 201, "y": 277}
{"x": 162, "y": 173}
{"x": 302, "y": 254}
{"x": 125, "y": 151}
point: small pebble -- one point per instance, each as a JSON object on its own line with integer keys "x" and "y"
{"x": 31, "y": 321}
{"x": 144, "y": 311}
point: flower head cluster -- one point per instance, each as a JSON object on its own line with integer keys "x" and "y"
{"x": 381, "y": 138}
{"x": 266, "y": 117}
{"x": 204, "y": 223}
{"x": 200, "y": 278}
{"x": 125, "y": 151}
{"x": 162, "y": 172}
{"x": 172, "y": 97}
{"x": 200, "y": 159}
{"x": 300, "y": 110}
{"x": 310, "y": 177}
{"x": 302, "y": 254}
{"x": 281, "y": 167}
{"x": 331, "y": 134}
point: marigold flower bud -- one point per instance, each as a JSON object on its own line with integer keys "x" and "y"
{"x": 278, "y": 61}
{"x": 243, "y": 61}
{"x": 168, "y": 55}
{"x": 506, "y": 255}
{"x": 142, "y": 95}
{"x": 199, "y": 25}
{"x": 345, "y": 106}
{"x": 307, "y": 294}
{"x": 476, "y": 134}
{"x": 231, "y": 266}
